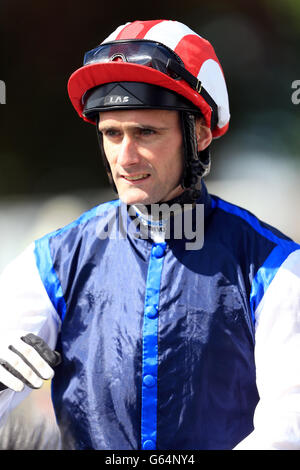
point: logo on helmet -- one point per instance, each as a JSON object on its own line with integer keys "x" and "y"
{"x": 115, "y": 99}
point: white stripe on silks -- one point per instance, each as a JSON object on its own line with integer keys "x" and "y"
{"x": 113, "y": 35}
{"x": 213, "y": 81}
{"x": 282, "y": 295}
{"x": 277, "y": 352}
{"x": 24, "y": 303}
{"x": 169, "y": 33}
{"x": 25, "y": 307}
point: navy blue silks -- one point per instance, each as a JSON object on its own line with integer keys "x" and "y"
{"x": 157, "y": 341}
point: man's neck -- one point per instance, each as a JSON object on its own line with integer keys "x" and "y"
{"x": 155, "y": 217}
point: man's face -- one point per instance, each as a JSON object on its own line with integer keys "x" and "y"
{"x": 145, "y": 153}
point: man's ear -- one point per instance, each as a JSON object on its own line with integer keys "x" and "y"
{"x": 203, "y": 133}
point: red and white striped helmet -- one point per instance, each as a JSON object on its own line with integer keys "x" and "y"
{"x": 196, "y": 53}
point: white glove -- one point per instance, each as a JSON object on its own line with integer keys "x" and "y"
{"x": 26, "y": 360}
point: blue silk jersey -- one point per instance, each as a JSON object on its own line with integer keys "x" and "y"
{"x": 157, "y": 341}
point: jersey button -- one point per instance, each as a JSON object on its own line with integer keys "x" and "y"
{"x": 149, "y": 380}
{"x": 148, "y": 445}
{"x": 159, "y": 250}
{"x": 151, "y": 311}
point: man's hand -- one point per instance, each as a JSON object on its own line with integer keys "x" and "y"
{"x": 27, "y": 360}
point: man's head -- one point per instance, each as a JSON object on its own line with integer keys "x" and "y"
{"x": 144, "y": 150}
{"x": 155, "y": 68}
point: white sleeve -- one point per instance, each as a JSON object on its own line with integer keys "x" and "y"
{"x": 277, "y": 358}
{"x": 24, "y": 308}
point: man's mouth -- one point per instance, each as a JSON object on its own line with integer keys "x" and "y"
{"x": 139, "y": 177}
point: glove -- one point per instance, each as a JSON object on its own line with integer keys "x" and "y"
{"x": 27, "y": 360}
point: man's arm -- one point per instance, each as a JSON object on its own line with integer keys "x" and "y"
{"x": 277, "y": 358}
{"x": 25, "y": 308}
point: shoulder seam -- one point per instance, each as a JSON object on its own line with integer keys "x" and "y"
{"x": 88, "y": 215}
{"x": 252, "y": 220}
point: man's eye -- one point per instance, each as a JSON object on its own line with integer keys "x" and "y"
{"x": 147, "y": 131}
{"x": 110, "y": 133}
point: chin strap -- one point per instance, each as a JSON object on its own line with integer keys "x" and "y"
{"x": 196, "y": 164}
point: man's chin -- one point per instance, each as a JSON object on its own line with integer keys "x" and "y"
{"x": 135, "y": 201}
{"x": 137, "y": 198}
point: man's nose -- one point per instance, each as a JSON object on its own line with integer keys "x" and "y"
{"x": 128, "y": 154}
